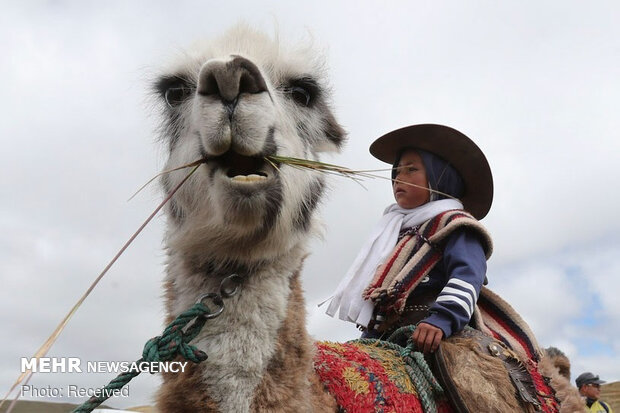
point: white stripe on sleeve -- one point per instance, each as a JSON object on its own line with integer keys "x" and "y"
{"x": 466, "y": 285}
{"x": 465, "y": 294}
{"x": 447, "y": 298}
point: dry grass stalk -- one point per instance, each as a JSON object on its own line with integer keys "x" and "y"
{"x": 346, "y": 172}
{"x": 311, "y": 165}
{"x": 43, "y": 350}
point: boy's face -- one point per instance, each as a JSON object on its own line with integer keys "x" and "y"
{"x": 592, "y": 391}
{"x": 411, "y": 171}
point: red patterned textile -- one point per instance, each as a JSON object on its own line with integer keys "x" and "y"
{"x": 366, "y": 379}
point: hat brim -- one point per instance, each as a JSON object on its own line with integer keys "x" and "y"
{"x": 454, "y": 147}
{"x": 598, "y": 381}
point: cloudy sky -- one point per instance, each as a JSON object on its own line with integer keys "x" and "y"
{"x": 535, "y": 84}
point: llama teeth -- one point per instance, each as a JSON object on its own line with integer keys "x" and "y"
{"x": 254, "y": 178}
{"x": 248, "y": 178}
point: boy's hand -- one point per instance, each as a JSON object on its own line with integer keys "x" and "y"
{"x": 427, "y": 337}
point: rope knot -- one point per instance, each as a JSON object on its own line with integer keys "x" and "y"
{"x": 175, "y": 341}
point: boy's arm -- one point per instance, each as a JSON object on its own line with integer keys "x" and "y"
{"x": 465, "y": 264}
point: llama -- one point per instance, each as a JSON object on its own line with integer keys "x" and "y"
{"x": 239, "y": 99}
{"x": 234, "y": 102}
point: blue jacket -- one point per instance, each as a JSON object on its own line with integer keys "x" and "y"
{"x": 457, "y": 279}
{"x": 459, "y": 275}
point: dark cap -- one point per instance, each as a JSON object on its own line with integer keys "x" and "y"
{"x": 587, "y": 378}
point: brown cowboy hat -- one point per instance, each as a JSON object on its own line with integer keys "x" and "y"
{"x": 452, "y": 146}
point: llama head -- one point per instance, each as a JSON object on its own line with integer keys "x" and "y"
{"x": 235, "y": 101}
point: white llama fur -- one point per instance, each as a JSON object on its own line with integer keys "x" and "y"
{"x": 260, "y": 229}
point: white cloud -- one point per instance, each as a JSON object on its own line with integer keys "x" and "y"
{"x": 568, "y": 298}
{"x": 540, "y": 293}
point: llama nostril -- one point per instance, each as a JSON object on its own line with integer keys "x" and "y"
{"x": 210, "y": 86}
{"x": 229, "y": 79}
{"x": 251, "y": 84}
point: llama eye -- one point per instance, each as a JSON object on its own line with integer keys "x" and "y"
{"x": 176, "y": 95}
{"x": 303, "y": 90}
{"x": 300, "y": 95}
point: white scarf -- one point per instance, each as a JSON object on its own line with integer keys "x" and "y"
{"x": 348, "y": 295}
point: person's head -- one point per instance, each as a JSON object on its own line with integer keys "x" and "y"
{"x": 419, "y": 176}
{"x": 452, "y": 162}
{"x": 589, "y": 385}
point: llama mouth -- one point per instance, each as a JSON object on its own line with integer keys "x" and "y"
{"x": 244, "y": 169}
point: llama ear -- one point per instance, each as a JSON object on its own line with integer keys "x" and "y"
{"x": 335, "y": 135}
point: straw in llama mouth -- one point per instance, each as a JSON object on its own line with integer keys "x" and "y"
{"x": 311, "y": 165}
{"x": 356, "y": 175}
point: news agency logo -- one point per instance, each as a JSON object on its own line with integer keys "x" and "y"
{"x": 51, "y": 365}
{"x": 75, "y": 365}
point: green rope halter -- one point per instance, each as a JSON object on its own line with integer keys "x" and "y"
{"x": 172, "y": 343}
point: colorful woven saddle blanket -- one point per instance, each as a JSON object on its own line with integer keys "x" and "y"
{"x": 372, "y": 376}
